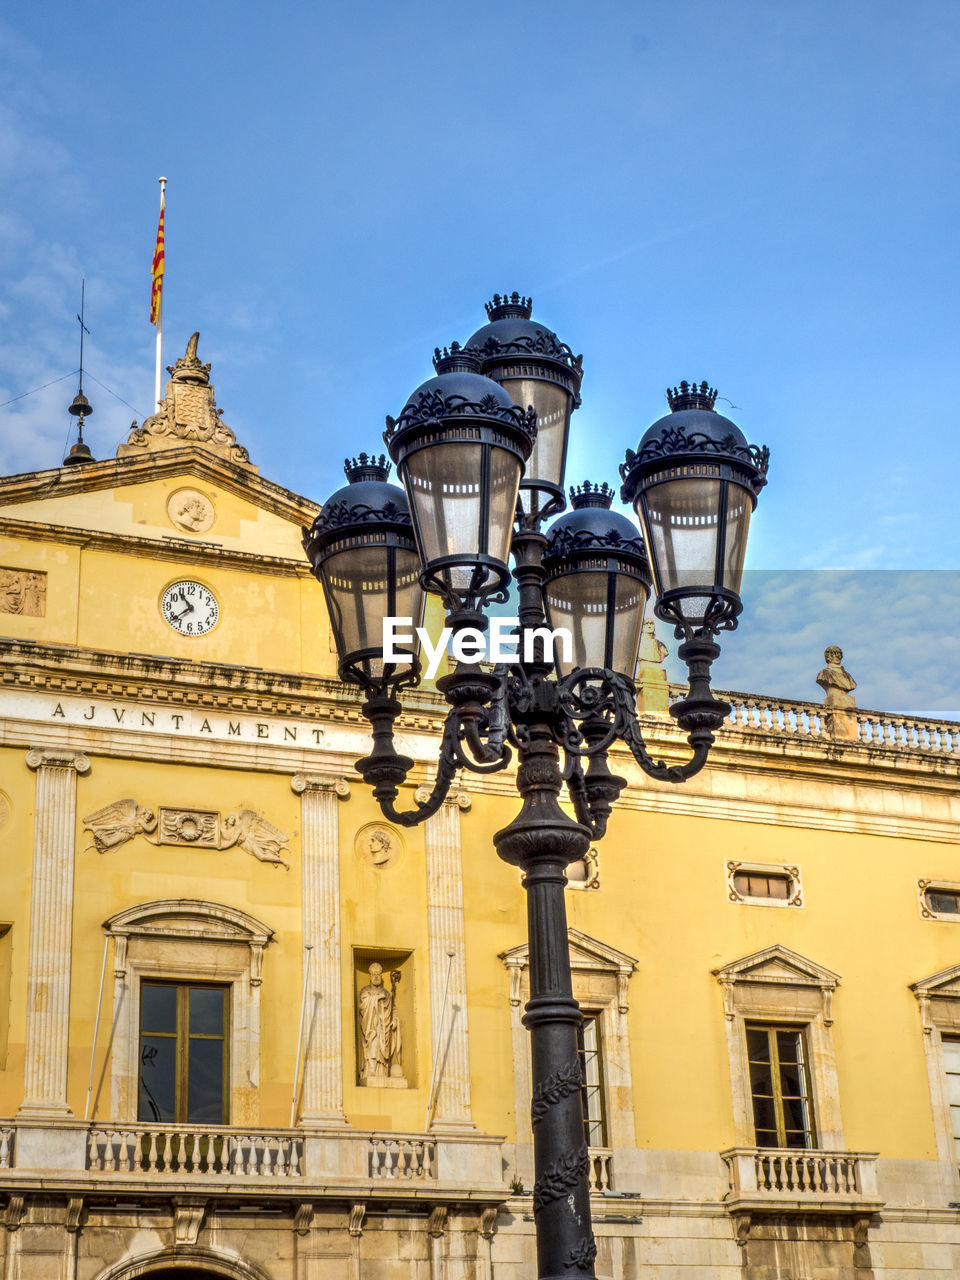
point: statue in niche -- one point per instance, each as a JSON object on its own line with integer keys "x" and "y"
{"x": 380, "y": 1031}
{"x": 838, "y": 684}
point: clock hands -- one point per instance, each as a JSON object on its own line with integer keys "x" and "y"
{"x": 189, "y": 609}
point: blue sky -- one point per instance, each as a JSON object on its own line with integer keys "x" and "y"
{"x": 761, "y": 194}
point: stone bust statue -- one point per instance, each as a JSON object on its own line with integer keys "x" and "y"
{"x": 838, "y": 684}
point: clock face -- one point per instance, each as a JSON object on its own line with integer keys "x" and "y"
{"x": 190, "y": 608}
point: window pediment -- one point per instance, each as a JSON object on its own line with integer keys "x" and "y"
{"x": 189, "y": 918}
{"x": 939, "y": 999}
{"x": 172, "y": 920}
{"x": 587, "y": 956}
{"x": 763, "y": 977}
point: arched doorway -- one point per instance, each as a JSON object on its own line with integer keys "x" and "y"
{"x": 184, "y": 1262}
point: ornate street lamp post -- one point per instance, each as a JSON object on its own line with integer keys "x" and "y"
{"x": 480, "y": 478}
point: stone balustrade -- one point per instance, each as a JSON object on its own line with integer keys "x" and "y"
{"x": 402, "y": 1158}
{"x": 771, "y": 1177}
{"x": 601, "y": 1169}
{"x": 356, "y": 1159}
{"x": 185, "y": 1150}
{"x": 754, "y": 713}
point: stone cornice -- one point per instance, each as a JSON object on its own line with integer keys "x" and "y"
{"x": 155, "y": 708}
{"x": 167, "y": 681}
{"x": 162, "y": 548}
{"x": 115, "y": 473}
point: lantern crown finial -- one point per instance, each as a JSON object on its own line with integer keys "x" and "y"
{"x": 366, "y": 467}
{"x": 591, "y": 495}
{"x": 454, "y": 359}
{"x": 506, "y": 307}
{"x": 690, "y": 396}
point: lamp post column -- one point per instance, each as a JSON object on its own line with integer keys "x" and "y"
{"x": 542, "y": 840}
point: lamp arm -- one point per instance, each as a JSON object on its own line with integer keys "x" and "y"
{"x": 385, "y": 770}
{"x": 701, "y": 742}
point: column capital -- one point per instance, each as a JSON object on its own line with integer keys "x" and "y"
{"x": 301, "y": 782}
{"x": 459, "y": 798}
{"x": 42, "y": 758}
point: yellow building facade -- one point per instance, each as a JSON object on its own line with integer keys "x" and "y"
{"x": 250, "y": 1030}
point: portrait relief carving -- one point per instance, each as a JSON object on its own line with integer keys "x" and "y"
{"x": 381, "y": 1040}
{"x": 379, "y": 847}
{"x": 190, "y": 510}
{"x": 23, "y": 592}
{"x": 246, "y": 829}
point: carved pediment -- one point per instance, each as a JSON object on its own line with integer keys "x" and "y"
{"x": 777, "y": 979}
{"x": 587, "y": 956}
{"x": 585, "y": 953}
{"x": 189, "y": 919}
{"x": 945, "y": 984}
{"x": 180, "y": 920}
{"x": 778, "y": 964}
{"x": 939, "y": 999}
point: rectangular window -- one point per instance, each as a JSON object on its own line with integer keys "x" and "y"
{"x": 951, "y": 1062}
{"x": 183, "y": 1053}
{"x": 591, "y": 1069}
{"x": 780, "y": 1086}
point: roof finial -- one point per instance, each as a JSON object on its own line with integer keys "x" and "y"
{"x": 81, "y": 407}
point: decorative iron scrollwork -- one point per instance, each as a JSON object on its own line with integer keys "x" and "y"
{"x": 673, "y": 440}
{"x": 569, "y": 1079}
{"x": 584, "y": 1254}
{"x": 432, "y": 406}
{"x": 560, "y": 1176}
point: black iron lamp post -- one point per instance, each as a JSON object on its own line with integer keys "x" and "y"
{"x": 480, "y": 480}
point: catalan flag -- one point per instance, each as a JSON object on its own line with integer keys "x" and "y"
{"x": 156, "y": 291}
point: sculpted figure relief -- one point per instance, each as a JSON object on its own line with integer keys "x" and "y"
{"x": 119, "y": 822}
{"x": 256, "y": 835}
{"x": 380, "y": 1029}
{"x": 22, "y": 592}
{"x": 838, "y": 684}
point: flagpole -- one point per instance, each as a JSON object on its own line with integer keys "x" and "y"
{"x": 156, "y": 390}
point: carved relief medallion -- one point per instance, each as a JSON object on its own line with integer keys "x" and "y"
{"x": 378, "y": 846}
{"x": 190, "y": 826}
{"x": 23, "y": 592}
{"x": 190, "y": 510}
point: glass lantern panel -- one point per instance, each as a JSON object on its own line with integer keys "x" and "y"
{"x": 739, "y": 509}
{"x": 444, "y": 484}
{"x": 681, "y": 531}
{"x": 631, "y": 600}
{"x": 357, "y": 583}
{"x": 504, "y": 483}
{"x": 579, "y": 601}
{"x": 443, "y": 488}
{"x": 552, "y": 404}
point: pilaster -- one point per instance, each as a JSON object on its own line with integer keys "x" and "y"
{"x": 321, "y": 1094}
{"x": 448, "y": 1000}
{"x": 51, "y": 931}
